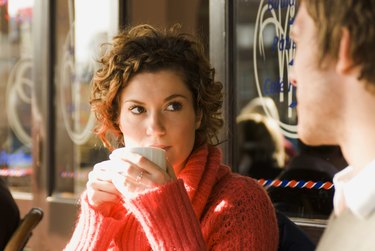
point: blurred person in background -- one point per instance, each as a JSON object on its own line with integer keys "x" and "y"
{"x": 263, "y": 156}
{"x": 262, "y": 144}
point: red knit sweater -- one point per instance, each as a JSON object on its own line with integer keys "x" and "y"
{"x": 207, "y": 208}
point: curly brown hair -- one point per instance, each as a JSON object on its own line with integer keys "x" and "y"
{"x": 144, "y": 48}
{"x": 358, "y": 16}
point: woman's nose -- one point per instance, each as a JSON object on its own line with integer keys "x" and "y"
{"x": 155, "y": 124}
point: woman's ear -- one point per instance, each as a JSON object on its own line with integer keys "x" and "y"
{"x": 344, "y": 62}
{"x": 198, "y": 119}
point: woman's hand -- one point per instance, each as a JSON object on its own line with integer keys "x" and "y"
{"x": 137, "y": 174}
{"x": 100, "y": 188}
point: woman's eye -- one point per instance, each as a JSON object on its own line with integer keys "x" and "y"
{"x": 174, "y": 106}
{"x": 137, "y": 109}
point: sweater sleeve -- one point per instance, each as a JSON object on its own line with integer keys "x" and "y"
{"x": 240, "y": 216}
{"x": 96, "y": 227}
{"x": 167, "y": 218}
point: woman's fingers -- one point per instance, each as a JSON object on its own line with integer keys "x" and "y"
{"x": 128, "y": 187}
{"x": 99, "y": 192}
{"x": 97, "y": 198}
{"x": 125, "y": 173}
{"x": 135, "y": 159}
{"x": 97, "y": 183}
{"x": 111, "y": 166}
{"x": 100, "y": 188}
{"x": 171, "y": 172}
{"x": 153, "y": 174}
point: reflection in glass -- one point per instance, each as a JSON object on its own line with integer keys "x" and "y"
{"x": 79, "y": 35}
{"x": 262, "y": 152}
{"x": 310, "y": 193}
{"x": 301, "y": 186}
{"x": 15, "y": 93}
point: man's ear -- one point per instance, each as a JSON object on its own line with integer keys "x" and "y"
{"x": 344, "y": 62}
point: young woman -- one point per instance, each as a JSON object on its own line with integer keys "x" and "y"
{"x": 156, "y": 88}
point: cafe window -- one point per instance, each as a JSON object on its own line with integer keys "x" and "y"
{"x": 16, "y": 18}
{"x": 81, "y": 28}
{"x": 297, "y": 177}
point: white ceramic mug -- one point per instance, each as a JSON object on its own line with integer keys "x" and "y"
{"x": 156, "y": 155}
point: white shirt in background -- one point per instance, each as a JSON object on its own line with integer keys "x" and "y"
{"x": 355, "y": 191}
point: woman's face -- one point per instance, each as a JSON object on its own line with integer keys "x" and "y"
{"x": 157, "y": 110}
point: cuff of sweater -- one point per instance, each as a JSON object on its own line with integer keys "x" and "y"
{"x": 96, "y": 226}
{"x": 108, "y": 209}
{"x": 168, "y": 218}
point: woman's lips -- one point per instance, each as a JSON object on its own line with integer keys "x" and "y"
{"x": 166, "y": 148}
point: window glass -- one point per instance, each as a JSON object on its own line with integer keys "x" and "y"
{"x": 298, "y": 177}
{"x": 191, "y": 15}
{"x": 82, "y": 26}
{"x": 15, "y": 93}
